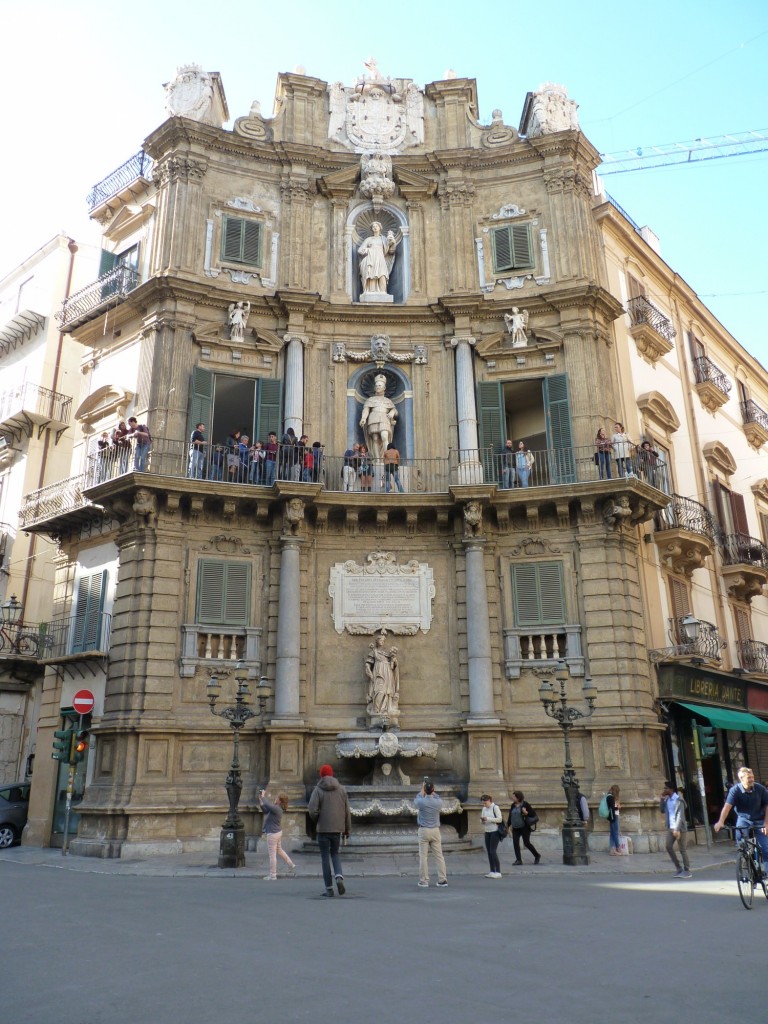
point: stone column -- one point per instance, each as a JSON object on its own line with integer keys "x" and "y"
{"x": 470, "y": 468}
{"x": 294, "y": 382}
{"x": 288, "y": 632}
{"x": 481, "y": 707}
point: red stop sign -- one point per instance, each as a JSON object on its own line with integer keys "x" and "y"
{"x": 83, "y": 702}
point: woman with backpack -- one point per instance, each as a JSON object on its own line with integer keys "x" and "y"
{"x": 491, "y": 818}
{"x": 520, "y": 819}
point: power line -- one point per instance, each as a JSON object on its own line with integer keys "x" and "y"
{"x": 644, "y": 158}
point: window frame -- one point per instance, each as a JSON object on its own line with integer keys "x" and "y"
{"x": 228, "y": 567}
{"x": 516, "y": 570}
{"x": 242, "y": 259}
{"x": 514, "y": 265}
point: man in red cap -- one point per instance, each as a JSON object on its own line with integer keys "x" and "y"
{"x": 329, "y": 808}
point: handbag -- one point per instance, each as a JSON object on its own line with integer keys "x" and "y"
{"x": 531, "y": 820}
{"x": 501, "y": 828}
{"x": 596, "y": 458}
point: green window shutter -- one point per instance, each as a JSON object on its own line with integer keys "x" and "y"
{"x": 557, "y": 406}
{"x": 522, "y": 250}
{"x": 269, "y": 398}
{"x": 200, "y": 399}
{"x": 241, "y": 241}
{"x": 223, "y": 592}
{"x": 91, "y": 595}
{"x": 106, "y": 262}
{"x": 491, "y": 421}
{"x": 538, "y": 594}
{"x": 501, "y": 243}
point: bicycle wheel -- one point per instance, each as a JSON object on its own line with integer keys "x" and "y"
{"x": 744, "y": 878}
{"x": 759, "y": 868}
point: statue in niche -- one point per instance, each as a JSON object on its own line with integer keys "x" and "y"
{"x": 377, "y": 257}
{"x": 378, "y": 419}
{"x": 238, "y": 319}
{"x": 516, "y": 322}
{"x": 383, "y": 671}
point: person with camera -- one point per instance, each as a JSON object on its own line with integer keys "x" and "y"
{"x": 329, "y": 808}
{"x": 273, "y": 830}
{"x": 490, "y": 817}
{"x": 428, "y": 805}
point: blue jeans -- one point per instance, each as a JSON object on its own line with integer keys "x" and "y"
{"x": 492, "y": 849}
{"x": 507, "y": 477}
{"x": 329, "y": 843}
{"x": 522, "y": 476}
{"x": 392, "y": 473}
{"x": 196, "y": 464}
{"x": 604, "y": 464}
{"x": 762, "y": 840}
{"x": 269, "y": 472}
{"x": 140, "y": 456}
{"x": 614, "y": 837}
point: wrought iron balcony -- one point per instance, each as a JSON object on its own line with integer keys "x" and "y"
{"x": 25, "y": 640}
{"x": 53, "y": 501}
{"x": 706, "y": 372}
{"x": 100, "y": 295}
{"x": 753, "y": 656}
{"x": 739, "y": 549}
{"x": 642, "y": 312}
{"x": 29, "y": 405}
{"x": 76, "y": 634}
{"x": 755, "y": 422}
{"x": 686, "y": 514}
{"x": 707, "y": 644}
{"x": 139, "y": 166}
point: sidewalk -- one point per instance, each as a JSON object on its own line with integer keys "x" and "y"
{"x": 356, "y": 865}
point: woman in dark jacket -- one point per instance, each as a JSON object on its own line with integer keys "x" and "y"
{"x": 614, "y": 807}
{"x": 519, "y": 812}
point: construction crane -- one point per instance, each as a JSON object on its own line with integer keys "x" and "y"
{"x": 644, "y": 158}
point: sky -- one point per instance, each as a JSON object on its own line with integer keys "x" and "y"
{"x": 84, "y": 81}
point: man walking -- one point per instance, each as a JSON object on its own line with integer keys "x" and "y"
{"x": 329, "y": 808}
{"x": 428, "y": 805}
{"x": 673, "y": 806}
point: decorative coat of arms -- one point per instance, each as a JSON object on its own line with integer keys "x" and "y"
{"x": 377, "y": 113}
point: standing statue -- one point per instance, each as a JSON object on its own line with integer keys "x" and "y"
{"x": 516, "y": 322}
{"x": 377, "y": 257}
{"x": 383, "y": 673}
{"x": 238, "y": 318}
{"x": 378, "y": 419}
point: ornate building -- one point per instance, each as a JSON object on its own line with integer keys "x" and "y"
{"x": 371, "y": 265}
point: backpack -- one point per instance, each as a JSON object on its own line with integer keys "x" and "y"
{"x": 603, "y": 810}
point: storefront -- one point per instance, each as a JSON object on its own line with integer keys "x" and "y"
{"x": 692, "y": 696}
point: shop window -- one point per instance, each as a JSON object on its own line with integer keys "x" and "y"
{"x": 223, "y": 592}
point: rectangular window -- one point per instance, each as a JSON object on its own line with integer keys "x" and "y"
{"x": 512, "y": 248}
{"x": 88, "y": 624}
{"x": 538, "y": 594}
{"x": 241, "y": 241}
{"x": 223, "y": 592}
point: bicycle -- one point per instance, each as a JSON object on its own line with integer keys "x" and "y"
{"x": 750, "y": 871}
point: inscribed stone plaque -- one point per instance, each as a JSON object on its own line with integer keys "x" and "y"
{"x": 382, "y": 595}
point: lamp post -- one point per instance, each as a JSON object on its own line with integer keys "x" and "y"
{"x": 11, "y": 611}
{"x": 575, "y": 848}
{"x": 232, "y": 838}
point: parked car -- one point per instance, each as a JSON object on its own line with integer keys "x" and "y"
{"x": 14, "y": 805}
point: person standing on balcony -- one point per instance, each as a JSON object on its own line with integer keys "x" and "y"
{"x": 366, "y": 469}
{"x": 349, "y": 469}
{"x": 270, "y": 459}
{"x": 649, "y": 463}
{"x": 142, "y": 439}
{"x": 603, "y": 449}
{"x": 317, "y": 461}
{"x": 123, "y": 445}
{"x": 288, "y": 455}
{"x": 103, "y": 460}
{"x": 197, "y": 453}
{"x": 507, "y": 458}
{"x": 622, "y": 450}
{"x": 523, "y": 463}
{"x": 256, "y": 455}
{"x": 392, "y": 468}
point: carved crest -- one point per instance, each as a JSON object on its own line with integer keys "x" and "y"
{"x": 377, "y": 113}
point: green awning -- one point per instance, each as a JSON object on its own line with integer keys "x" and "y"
{"x": 722, "y": 718}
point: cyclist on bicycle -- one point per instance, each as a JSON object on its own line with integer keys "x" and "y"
{"x": 750, "y": 801}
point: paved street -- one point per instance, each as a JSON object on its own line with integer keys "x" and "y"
{"x": 84, "y": 947}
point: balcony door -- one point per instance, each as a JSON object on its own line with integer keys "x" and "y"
{"x": 226, "y": 402}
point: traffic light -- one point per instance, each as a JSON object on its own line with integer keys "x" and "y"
{"x": 707, "y": 740}
{"x": 80, "y": 747}
{"x": 62, "y": 745}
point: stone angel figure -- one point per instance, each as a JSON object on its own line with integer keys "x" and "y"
{"x": 517, "y": 323}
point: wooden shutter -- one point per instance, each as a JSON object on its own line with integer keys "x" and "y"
{"x": 764, "y": 526}
{"x": 492, "y": 425}
{"x": 739, "y": 513}
{"x": 557, "y": 406}
{"x": 636, "y": 289}
{"x": 501, "y": 243}
{"x": 106, "y": 262}
{"x": 251, "y": 242}
{"x": 678, "y": 598}
{"x": 241, "y": 241}
{"x": 742, "y": 622}
{"x": 522, "y": 251}
{"x": 223, "y": 592}
{"x": 696, "y": 347}
{"x": 269, "y": 398}
{"x": 87, "y": 627}
{"x": 538, "y": 593}
{"x": 200, "y": 399}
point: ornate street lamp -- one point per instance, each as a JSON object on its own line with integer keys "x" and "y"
{"x": 575, "y": 848}
{"x": 232, "y": 838}
{"x": 11, "y": 611}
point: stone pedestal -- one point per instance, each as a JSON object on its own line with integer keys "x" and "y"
{"x": 376, "y": 297}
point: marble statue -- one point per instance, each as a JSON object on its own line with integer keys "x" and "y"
{"x": 551, "y": 111}
{"x": 190, "y": 94}
{"x": 378, "y": 419}
{"x": 376, "y": 179}
{"x": 238, "y": 319}
{"x": 516, "y": 322}
{"x": 383, "y": 673}
{"x": 377, "y": 257}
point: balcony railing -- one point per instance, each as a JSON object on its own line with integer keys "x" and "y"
{"x": 53, "y": 500}
{"x": 36, "y": 400}
{"x": 25, "y": 640}
{"x": 739, "y": 549}
{"x": 641, "y": 311}
{"x": 107, "y": 291}
{"x": 212, "y": 645}
{"x": 138, "y": 166}
{"x": 78, "y": 634}
{"x": 708, "y": 644}
{"x": 540, "y": 646}
{"x": 542, "y": 468}
{"x": 752, "y": 413}
{"x": 753, "y": 656}
{"x": 705, "y": 372}
{"x": 686, "y": 514}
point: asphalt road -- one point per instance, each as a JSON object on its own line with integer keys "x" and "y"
{"x": 107, "y": 949}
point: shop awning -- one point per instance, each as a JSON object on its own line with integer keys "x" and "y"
{"x": 722, "y": 718}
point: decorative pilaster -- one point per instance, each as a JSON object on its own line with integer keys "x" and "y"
{"x": 470, "y": 469}
{"x": 288, "y": 632}
{"x": 480, "y": 666}
{"x": 294, "y": 381}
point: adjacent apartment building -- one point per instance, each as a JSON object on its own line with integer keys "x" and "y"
{"x": 373, "y": 266}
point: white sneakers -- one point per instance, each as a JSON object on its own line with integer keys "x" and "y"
{"x": 493, "y": 874}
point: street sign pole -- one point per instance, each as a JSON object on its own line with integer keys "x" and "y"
{"x": 70, "y": 789}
